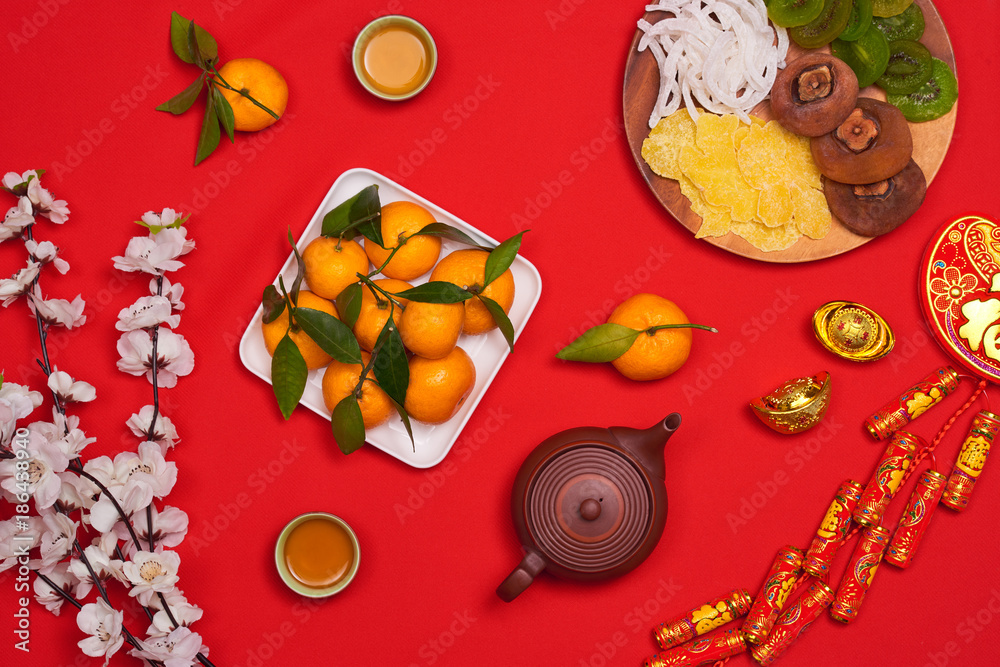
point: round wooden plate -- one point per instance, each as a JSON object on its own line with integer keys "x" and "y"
{"x": 642, "y": 77}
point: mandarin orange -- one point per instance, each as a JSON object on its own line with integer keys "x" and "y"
{"x": 467, "y": 269}
{"x": 340, "y": 380}
{"x": 274, "y": 331}
{"x": 439, "y": 387}
{"x": 400, "y": 220}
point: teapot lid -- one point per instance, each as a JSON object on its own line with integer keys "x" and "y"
{"x": 588, "y": 508}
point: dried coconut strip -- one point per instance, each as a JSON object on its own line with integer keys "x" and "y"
{"x": 741, "y": 69}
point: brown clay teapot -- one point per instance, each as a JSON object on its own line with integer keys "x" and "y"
{"x": 590, "y": 503}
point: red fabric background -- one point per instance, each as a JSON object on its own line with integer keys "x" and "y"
{"x": 548, "y": 78}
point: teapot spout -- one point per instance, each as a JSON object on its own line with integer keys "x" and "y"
{"x": 647, "y": 445}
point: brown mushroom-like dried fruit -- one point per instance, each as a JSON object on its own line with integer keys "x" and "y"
{"x": 871, "y": 144}
{"x": 813, "y": 94}
{"x": 873, "y": 209}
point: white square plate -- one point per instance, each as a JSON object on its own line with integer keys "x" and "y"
{"x": 488, "y": 351}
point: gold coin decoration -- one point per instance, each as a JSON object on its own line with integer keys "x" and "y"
{"x": 852, "y": 331}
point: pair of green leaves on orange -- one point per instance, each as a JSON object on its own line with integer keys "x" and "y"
{"x": 388, "y": 363}
{"x": 606, "y": 342}
{"x": 195, "y": 46}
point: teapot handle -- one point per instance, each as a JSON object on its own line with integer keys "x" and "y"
{"x": 522, "y": 576}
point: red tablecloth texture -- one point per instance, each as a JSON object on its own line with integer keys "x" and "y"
{"x": 521, "y": 127}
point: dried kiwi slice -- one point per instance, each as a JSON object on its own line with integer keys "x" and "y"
{"x": 908, "y": 25}
{"x": 867, "y": 56}
{"x": 909, "y": 67}
{"x": 889, "y": 7}
{"x": 790, "y": 13}
{"x": 824, "y": 28}
{"x": 861, "y": 18}
{"x": 933, "y": 99}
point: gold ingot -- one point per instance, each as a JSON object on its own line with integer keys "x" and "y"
{"x": 852, "y": 331}
{"x": 795, "y": 406}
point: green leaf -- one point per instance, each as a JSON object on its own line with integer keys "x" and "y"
{"x": 605, "y": 342}
{"x": 360, "y": 211}
{"x": 179, "y": 37}
{"x": 349, "y": 304}
{"x": 183, "y": 100}
{"x": 436, "y": 291}
{"x": 330, "y": 334}
{"x": 288, "y": 375}
{"x": 348, "y": 425}
{"x": 452, "y": 233}
{"x": 390, "y": 365}
{"x": 274, "y": 304}
{"x": 502, "y": 257}
{"x": 406, "y": 421}
{"x": 180, "y": 30}
{"x": 366, "y": 213}
{"x": 224, "y": 111}
{"x": 500, "y": 317}
{"x": 300, "y": 269}
{"x": 209, "y": 138}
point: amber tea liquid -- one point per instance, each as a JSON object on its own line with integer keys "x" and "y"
{"x": 319, "y": 553}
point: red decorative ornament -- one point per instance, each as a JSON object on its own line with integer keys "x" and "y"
{"x": 706, "y": 650}
{"x": 793, "y": 623}
{"x": 860, "y": 572}
{"x": 703, "y": 619}
{"x": 770, "y": 600}
{"x": 916, "y": 517}
{"x": 833, "y": 530}
{"x": 960, "y": 292}
{"x": 971, "y": 460}
{"x": 888, "y": 476}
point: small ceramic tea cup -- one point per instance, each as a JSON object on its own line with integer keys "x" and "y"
{"x": 379, "y": 27}
{"x": 313, "y": 543}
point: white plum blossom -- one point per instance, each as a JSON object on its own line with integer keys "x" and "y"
{"x": 169, "y": 528}
{"x": 11, "y": 180}
{"x": 147, "y": 312}
{"x": 130, "y": 498}
{"x": 27, "y": 534}
{"x": 46, "y": 252}
{"x": 183, "y": 612}
{"x": 64, "y": 432}
{"x": 107, "y": 542}
{"x": 155, "y": 253}
{"x": 148, "y": 467}
{"x": 40, "y": 472}
{"x": 104, "y": 627}
{"x": 173, "y": 354}
{"x": 46, "y": 595}
{"x": 103, "y": 566}
{"x": 133, "y": 479}
{"x": 150, "y": 573}
{"x": 102, "y": 468}
{"x": 48, "y": 206}
{"x": 76, "y": 493}
{"x": 17, "y": 218}
{"x": 177, "y": 649}
{"x": 57, "y": 312}
{"x": 163, "y": 219}
{"x": 16, "y": 402}
{"x": 56, "y": 541}
{"x": 69, "y": 390}
{"x": 165, "y": 435}
{"x": 173, "y": 292}
{"x": 18, "y": 284}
